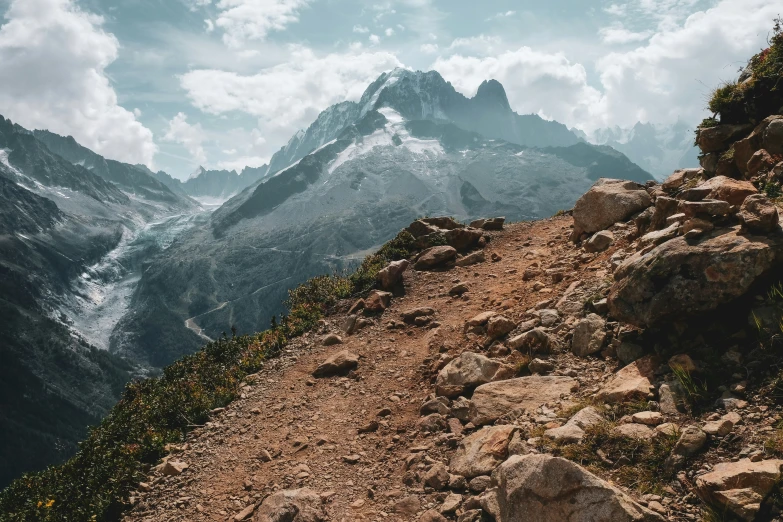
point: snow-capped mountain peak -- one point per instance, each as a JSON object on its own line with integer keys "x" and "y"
{"x": 198, "y": 172}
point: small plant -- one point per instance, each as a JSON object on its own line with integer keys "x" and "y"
{"x": 695, "y": 390}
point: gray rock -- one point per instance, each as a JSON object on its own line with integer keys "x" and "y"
{"x": 540, "y": 366}
{"x": 542, "y": 487}
{"x": 589, "y": 336}
{"x": 292, "y": 505}
{"x": 482, "y": 451}
{"x": 599, "y": 241}
{"x": 331, "y": 340}
{"x": 496, "y": 399}
{"x": 607, "y": 202}
{"x": 338, "y": 364}
{"x": 468, "y": 371}
{"x": 629, "y": 352}
{"x": 435, "y": 256}
{"x": 758, "y": 214}
{"x": 390, "y": 275}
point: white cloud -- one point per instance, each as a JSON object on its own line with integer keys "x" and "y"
{"x": 617, "y": 34}
{"x": 481, "y": 44}
{"x": 288, "y": 96}
{"x": 53, "y": 58}
{"x": 243, "y": 20}
{"x": 671, "y": 76}
{"x": 209, "y": 25}
{"x": 360, "y": 29}
{"x": 195, "y": 4}
{"x": 536, "y": 82}
{"x": 375, "y": 39}
{"x": 616, "y": 9}
{"x": 389, "y": 31}
{"x": 429, "y": 48}
{"x": 192, "y": 137}
{"x": 502, "y": 15}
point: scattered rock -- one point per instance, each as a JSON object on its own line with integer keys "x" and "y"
{"x": 540, "y": 366}
{"x": 437, "y": 477}
{"x": 377, "y": 301}
{"x": 739, "y": 486}
{"x": 471, "y": 259}
{"x": 409, "y": 505}
{"x": 432, "y": 516}
{"x": 294, "y": 505}
{"x": 730, "y": 190}
{"x": 496, "y": 399}
{"x": 573, "y": 430}
{"x": 542, "y": 487}
{"x": 435, "y": 256}
{"x": 409, "y": 316}
{"x": 172, "y": 468}
{"x": 535, "y": 340}
{"x": 331, "y": 340}
{"x": 458, "y": 289}
{"x": 634, "y": 431}
{"x": 629, "y": 352}
{"x": 390, "y": 275}
{"x": 589, "y": 336}
{"x": 599, "y": 241}
{"x": 648, "y": 418}
{"x": 482, "y": 451}
{"x": 633, "y": 382}
{"x": 468, "y": 371}
{"x": 463, "y": 238}
{"x": 499, "y": 325}
{"x": 338, "y": 364}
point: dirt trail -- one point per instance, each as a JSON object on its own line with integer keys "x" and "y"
{"x": 310, "y": 427}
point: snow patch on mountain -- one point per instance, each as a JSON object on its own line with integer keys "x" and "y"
{"x": 392, "y": 134}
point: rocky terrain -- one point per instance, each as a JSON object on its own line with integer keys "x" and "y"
{"x": 619, "y": 362}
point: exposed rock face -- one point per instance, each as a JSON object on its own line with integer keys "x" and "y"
{"x": 435, "y": 256}
{"x": 492, "y": 401}
{"x": 758, "y": 214}
{"x": 589, "y": 336}
{"x": 726, "y": 189}
{"x": 292, "y": 505}
{"x": 606, "y": 203}
{"x": 480, "y": 453}
{"x": 338, "y": 364}
{"x": 468, "y": 371}
{"x": 392, "y": 273}
{"x": 682, "y": 277}
{"x": 633, "y": 382}
{"x": 679, "y": 178}
{"x": 740, "y": 486}
{"x": 718, "y": 138}
{"x": 542, "y": 487}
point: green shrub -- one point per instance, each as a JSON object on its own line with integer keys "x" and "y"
{"x": 95, "y": 484}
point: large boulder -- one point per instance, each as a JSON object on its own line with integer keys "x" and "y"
{"x": 758, "y": 214}
{"x": 607, "y": 202}
{"x": 340, "y": 363}
{"x": 390, "y": 275}
{"x": 718, "y": 138}
{"x": 468, "y": 371}
{"x": 744, "y": 149}
{"x": 494, "y": 400}
{"x": 435, "y": 256}
{"x": 481, "y": 452}
{"x": 291, "y": 505}
{"x": 543, "y": 487}
{"x": 739, "y": 486}
{"x": 681, "y": 277}
{"x": 599, "y": 241}
{"x": 377, "y": 301}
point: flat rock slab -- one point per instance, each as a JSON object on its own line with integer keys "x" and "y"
{"x": 740, "y": 486}
{"x": 496, "y": 399}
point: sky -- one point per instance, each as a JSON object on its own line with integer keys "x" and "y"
{"x": 174, "y": 84}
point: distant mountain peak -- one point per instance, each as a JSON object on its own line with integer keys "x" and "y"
{"x": 492, "y": 91}
{"x": 198, "y": 172}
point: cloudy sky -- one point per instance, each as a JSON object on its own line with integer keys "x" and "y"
{"x": 175, "y": 84}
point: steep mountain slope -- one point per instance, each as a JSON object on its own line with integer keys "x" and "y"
{"x": 325, "y": 211}
{"x": 130, "y": 178}
{"x": 73, "y": 237}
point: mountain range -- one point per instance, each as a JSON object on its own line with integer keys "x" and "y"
{"x": 111, "y": 270}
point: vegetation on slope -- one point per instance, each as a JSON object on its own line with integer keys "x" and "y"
{"x": 758, "y": 92}
{"x": 95, "y": 484}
